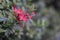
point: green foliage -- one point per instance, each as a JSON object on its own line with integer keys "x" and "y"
{"x": 35, "y": 27}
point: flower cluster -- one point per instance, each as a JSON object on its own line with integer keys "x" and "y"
{"x": 21, "y": 15}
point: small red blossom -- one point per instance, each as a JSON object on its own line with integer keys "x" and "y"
{"x": 21, "y": 15}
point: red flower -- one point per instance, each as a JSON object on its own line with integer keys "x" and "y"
{"x": 21, "y": 15}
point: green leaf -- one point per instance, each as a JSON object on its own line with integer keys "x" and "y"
{"x": 1, "y": 30}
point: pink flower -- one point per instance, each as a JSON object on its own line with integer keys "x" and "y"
{"x": 21, "y": 15}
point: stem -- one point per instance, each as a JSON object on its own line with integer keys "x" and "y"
{"x": 24, "y": 32}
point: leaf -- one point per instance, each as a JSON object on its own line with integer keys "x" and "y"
{"x": 1, "y": 30}
{"x": 3, "y": 19}
{"x": 33, "y": 23}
